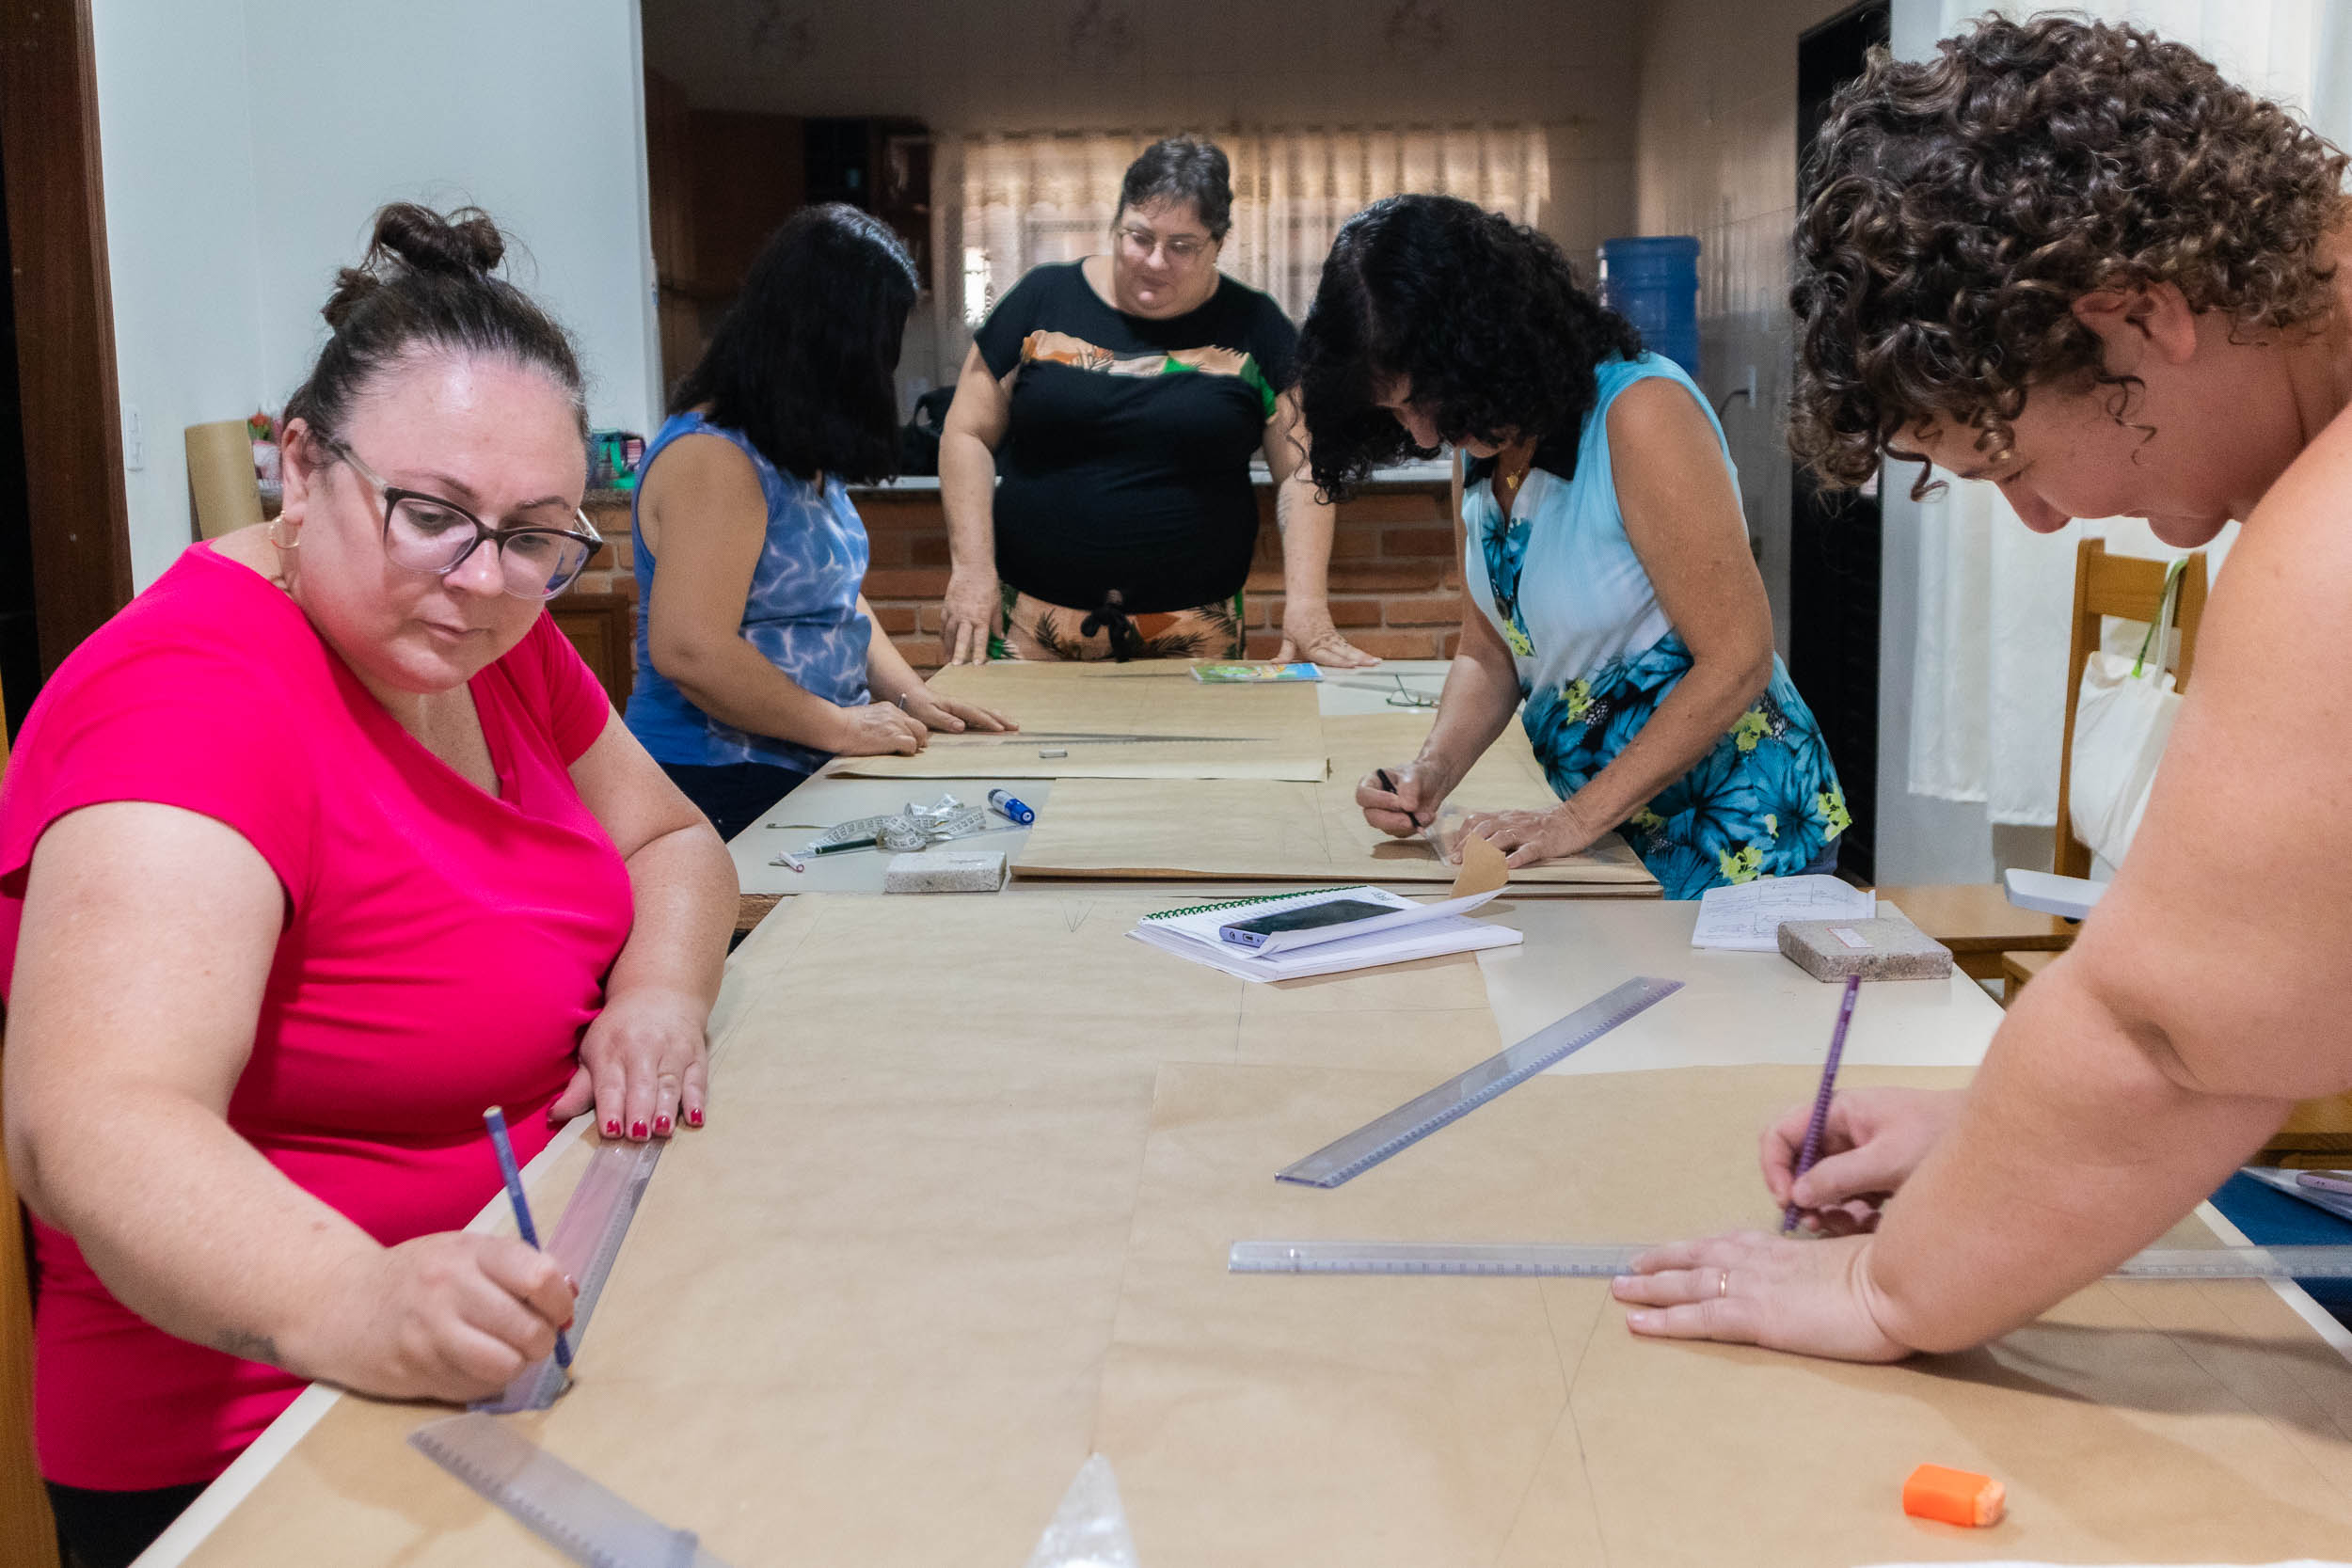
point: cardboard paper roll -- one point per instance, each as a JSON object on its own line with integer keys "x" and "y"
{"x": 220, "y": 478}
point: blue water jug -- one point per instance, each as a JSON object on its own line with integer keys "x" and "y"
{"x": 1654, "y": 283}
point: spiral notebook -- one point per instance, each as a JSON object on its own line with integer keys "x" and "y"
{"x": 1411, "y": 930}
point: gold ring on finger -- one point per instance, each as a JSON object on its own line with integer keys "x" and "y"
{"x": 1723, "y": 1283}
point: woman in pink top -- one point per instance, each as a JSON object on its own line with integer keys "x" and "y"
{"x": 323, "y": 844}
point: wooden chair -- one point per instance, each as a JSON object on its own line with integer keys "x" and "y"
{"x": 1977, "y": 920}
{"x": 29, "y": 1539}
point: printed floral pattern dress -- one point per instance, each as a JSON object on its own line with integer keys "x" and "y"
{"x": 1596, "y": 657}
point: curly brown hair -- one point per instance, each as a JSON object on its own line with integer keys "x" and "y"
{"x": 1963, "y": 205}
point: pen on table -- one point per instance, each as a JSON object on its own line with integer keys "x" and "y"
{"x": 1812, "y": 1150}
{"x": 495, "y": 1118}
{"x": 2324, "y": 1183}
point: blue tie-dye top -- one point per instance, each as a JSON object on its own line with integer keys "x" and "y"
{"x": 802, "y": 612}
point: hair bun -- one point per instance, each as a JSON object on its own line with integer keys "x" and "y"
{"x": 418, "y": 240}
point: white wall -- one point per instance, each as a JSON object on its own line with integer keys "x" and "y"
{"x": 1717, "y": 157}
{"x": 246, "y": 142}
{"x": 182, "y": 242}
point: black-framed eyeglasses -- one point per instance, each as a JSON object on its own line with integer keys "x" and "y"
{"x": 428, "y": 534}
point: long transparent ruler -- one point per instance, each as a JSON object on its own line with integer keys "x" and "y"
{"x": 1058, "y": 738}
{"x": 1414, "y": 1120}
{"x": 586, "y": 1238}
{"x": 1559, "y": 1261}
{"x": 573, "y": 1514}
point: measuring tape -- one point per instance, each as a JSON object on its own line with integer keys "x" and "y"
{"x": 1550, "y": 1260}
{"x": 576, "y": 1515}
{"x": 586, "y": 1241}
{"x": 1458, "y": 1096}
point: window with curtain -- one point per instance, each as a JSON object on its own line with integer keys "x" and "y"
{"x": 1013, "y": 202}
{"x": 1988, "y": 686}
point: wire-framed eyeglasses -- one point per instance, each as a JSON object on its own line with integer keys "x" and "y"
{"x": 1181, "y": 249}
{"x": 426, "y": 533}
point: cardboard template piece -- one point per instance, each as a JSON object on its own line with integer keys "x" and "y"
{"x": 1266, "y": 731}
{"x": 1257, "y": 830}
{"x": 1375, "y": 1421}
{"x": 861, "y": 1316}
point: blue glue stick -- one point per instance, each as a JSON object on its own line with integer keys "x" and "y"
{"x": 1003, "y": 802}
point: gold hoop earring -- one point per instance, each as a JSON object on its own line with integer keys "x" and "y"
{"x": 276, "y": 537}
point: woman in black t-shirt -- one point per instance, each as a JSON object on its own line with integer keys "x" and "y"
{"x": 1095, "y": 463}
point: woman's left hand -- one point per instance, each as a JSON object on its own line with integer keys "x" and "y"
{"x": 643, "y": 1063}
{"x": 1813, "y": 1297}
{"x": 946, "y": 713}
{"x": 1309, "y": 634}
{"x": 1530, "y": 838}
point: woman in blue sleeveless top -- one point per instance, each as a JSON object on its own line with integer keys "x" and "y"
{"x": 757, "y": 659}
{"x": 1606, "y": 554}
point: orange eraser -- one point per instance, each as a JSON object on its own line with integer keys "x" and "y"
{"x": 1955, "y": 1496}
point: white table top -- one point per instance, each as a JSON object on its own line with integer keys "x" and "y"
{"x": 828, "y": 798}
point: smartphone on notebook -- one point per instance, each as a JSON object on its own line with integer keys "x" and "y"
{"x": 1304, "y": 917}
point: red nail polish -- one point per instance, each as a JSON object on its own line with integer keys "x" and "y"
{"x": 612, "y": 1127}
{"x": 695, "y": 1116}
{"x": 636, "y": 1128}
{"x": 661, "y": 1124}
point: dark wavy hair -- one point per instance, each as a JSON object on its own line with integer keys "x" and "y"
{"x": 426, "y": 283}
{"x": 1963, "y": 205}
{"x": 1484, "y": 317}
{"x": 1182, "y": 169}
{"x": 803, "y": 362}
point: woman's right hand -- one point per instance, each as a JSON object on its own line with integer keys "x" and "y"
{"x": 450, "y": 1316}
{"x": 880, "y": 729}
{"x": 973, "y": 612}
{"x": 1406, "y": 809}
{"x": 1871, "y": 1142}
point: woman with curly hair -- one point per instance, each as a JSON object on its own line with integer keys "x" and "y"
{"x": 1606, "y": 554}
{"x": 2075, "y": 260}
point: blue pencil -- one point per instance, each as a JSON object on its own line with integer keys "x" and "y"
{"x": 495, "y": 1118}
{"x": 1812, "y": 1150}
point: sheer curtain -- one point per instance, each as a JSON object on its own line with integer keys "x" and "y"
{"x": 1013, "y": 202}
{"x": 1989, "y": 683}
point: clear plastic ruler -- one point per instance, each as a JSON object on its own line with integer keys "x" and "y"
{"x": 586, "y": 1238}
{"x": 1065, "y": 737}
{"x": 1563, "y": 1260}
{"x": 1414, "y": 1120}
{"x": 579, "y": 1517}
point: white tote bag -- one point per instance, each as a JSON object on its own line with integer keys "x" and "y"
{"x": 2121, "y": 721}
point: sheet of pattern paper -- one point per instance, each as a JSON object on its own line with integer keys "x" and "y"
{"x": 958, "y": 1220}
{"x": 1235, "y": 829}
{"x": 1092, "y": 716}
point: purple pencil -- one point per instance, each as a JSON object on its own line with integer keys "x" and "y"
{"x": 1812, "y": 1150}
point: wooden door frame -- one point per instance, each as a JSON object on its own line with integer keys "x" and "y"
{"x": 80, "y": 512}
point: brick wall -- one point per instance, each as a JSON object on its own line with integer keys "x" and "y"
{"x": 1396, "y": 584}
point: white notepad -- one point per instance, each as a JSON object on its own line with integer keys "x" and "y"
{"x": 1746, "y": 918}
{"x": 1421, "y": 932}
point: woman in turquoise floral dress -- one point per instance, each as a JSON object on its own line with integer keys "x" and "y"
{"x": 1617, "y": 610}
